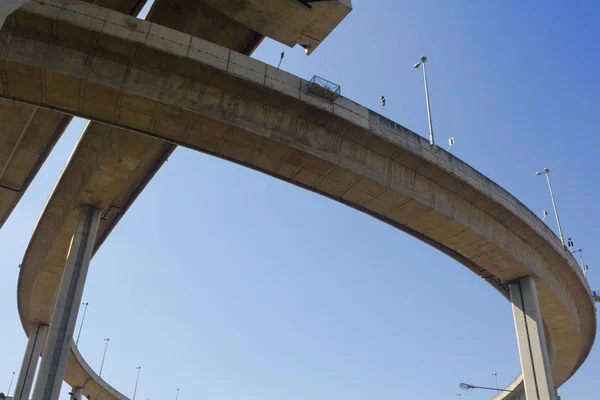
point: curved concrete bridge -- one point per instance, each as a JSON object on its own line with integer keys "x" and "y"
{"x": 152, "y": 88}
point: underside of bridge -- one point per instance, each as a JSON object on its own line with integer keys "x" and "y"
{"x": 149, "y": 88}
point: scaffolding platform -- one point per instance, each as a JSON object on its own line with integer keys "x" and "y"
{"x": 323, "y": 88}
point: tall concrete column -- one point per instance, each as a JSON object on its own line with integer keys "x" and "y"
{"x": 77, "y": 393}
{"x": 7, "y": 7}
{"x": 30, "y": 361}
{"x": 535, "y": 363}
{"x": 66, "y": 306}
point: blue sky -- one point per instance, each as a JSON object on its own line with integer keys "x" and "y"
{"x": 229, "y": 284}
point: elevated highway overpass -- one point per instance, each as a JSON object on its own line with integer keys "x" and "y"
{"x": 150, "y": 87}
{"x": 29, "y": 133}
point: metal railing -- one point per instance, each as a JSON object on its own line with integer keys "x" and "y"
{"x": 323, "y": 88}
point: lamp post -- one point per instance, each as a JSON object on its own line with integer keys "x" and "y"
{"x": 10, "y": 385}
{"x": 104, "y": 356}
{"x": 546, "y": 171}
{"x": 496, "y": 375}
{"x": 466, "y": 386}
{"x": 584, "y": 267}
{"x": 422, "y": 62}
{"x": 136, "y": 381}
{"x": 177, "y": 394}
{"x": 82, "y": 320}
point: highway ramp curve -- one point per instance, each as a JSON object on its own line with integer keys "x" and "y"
{"x": 214, "y": 100}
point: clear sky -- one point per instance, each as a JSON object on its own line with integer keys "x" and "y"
{"x": 231, "y": 285}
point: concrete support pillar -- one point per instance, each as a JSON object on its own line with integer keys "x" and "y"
{"x": 66, "y": 306}
{"x": 7, "y": 7}
{"x": 77, "y": 393}
{"x": 535, "y": 363}
{"x": 30, "y": 361}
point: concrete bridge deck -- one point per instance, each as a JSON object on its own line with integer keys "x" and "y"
{"x": 23, "y": 152}
{"x": 157, "y": 83}
{"x": 25, "y": 144}
{"x": 28, "y": 136}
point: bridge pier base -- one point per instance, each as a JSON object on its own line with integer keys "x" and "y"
{"x": 66, "y": 307}
{"x": 30, "y": 361}
{"x": 533, "y": 351}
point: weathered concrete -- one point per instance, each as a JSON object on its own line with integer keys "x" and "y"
{"x": 195, "y": 18}
{"x": 30, "y": 361}
{"x": 200, "y": 20}
{"x": 27, "y": 138}
{"x": 190, "y": 17}
{"x": 533, "y": 350}
{"x": 181, "y": 89}
{"x": 38, "y": 140}
{"x": 288, "y": 22}
{"x": 66, "y": 306}
{"x": 129, "y": 7}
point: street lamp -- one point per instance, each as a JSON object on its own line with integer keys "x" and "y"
{"x": 104, "y": 356}
{"x": 10, "y": 386}
{"x": 82, "y": 319}
{"x": 496, "y": 375}
{"x": 136, "y": 381}
{"x": 466, "y": 386}
{"x": 546, "y": 171}
{"x": 422, "y": 62}
{"x": 584, "y": 267}
{"x": 177, "y": 394}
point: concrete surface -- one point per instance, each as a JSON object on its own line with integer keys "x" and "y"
{"x": 190, "y": 17}
{"x": 66, "y": 306}
{"x": 25, "y": 143}
{"x": 202, "y": 21}
{"x": 30, "y": 362}
{"x": 194, "y": 93}
{"x": 287, "y": 21}
{"x": 533, "y": 350}
{"x": 80, "y": 374}
{"x": 77, "y": 393}
{"x": 38, "y": 140}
